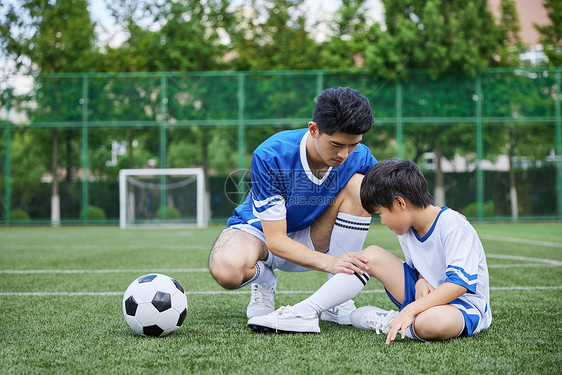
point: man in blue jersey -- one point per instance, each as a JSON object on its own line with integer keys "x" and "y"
{"x": 303, "y": 211}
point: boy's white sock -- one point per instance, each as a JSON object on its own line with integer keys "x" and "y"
{"x": 411, "y": 333}
{"x": 338, "y": 289}
{"x": 264, "y": 275}
{"x": 348, "y": 235}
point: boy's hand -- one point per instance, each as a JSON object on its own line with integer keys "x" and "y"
{"x": 349, "y": 263}
{"x": 423, "y": 288}
{"x": 400, "y": 323}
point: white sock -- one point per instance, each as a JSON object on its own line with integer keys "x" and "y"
{"x": 411, "y": 333}
{"x": 264, "y": 275}
{"x": 340, "y": 288}
{"x": 348, "y": 235}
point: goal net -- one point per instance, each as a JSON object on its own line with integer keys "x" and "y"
{"x": 167, "y": 196}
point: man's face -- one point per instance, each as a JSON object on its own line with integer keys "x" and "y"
{"x": 334, "y": 149}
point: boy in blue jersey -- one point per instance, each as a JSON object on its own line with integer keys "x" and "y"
{"x": 303, "y": 211}
{"x": 442, "y": 289}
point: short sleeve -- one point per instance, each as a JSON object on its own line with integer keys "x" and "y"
{"x": 268, "y": 200}
{"x": 462, "y": 260}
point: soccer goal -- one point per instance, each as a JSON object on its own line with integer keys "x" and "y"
{"x": 162, "y": 197}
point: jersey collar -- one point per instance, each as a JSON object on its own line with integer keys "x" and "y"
{"x": 304, "y": 162}
{"x": 430, "y": 231}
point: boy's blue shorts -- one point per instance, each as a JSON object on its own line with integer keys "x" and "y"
{"x": 410, "y": 278}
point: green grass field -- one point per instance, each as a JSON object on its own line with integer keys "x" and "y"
{"x": 61, "y": 292}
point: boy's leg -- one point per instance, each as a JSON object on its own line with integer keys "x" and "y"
{"x": 303, "y": 317}
{"x": 236, "y": 260}
{"x": 342, "y": 228}
{"x": 439, "y": 323}
{"x": 382, "y": 265}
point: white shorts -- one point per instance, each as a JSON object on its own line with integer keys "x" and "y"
{"x": 273, "y": 261}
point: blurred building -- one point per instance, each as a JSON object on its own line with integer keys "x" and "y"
{"x": 530, "y": 12}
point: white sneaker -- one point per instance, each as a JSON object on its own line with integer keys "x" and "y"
{"x": 262, "y": 299}
{"x": 339, "y": 314}
{"x": 283, "y": 320}
{"x": 370, "y": 317}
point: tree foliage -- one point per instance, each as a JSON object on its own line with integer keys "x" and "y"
{"x": 551, "y": 35}
{"x": 441, "y": 36}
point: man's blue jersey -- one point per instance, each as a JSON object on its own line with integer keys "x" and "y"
{"x": 284, "y": 187}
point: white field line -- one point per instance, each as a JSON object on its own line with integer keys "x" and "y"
{"x": 48, "y": 246}
{"x": 236, "y": 292}
{"x": 143, "y": 271}
{"x": 520, "y": 240}
{"x": 551, "y": 262}
{"x": 538, "y": 262}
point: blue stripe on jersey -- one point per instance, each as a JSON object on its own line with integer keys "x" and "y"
{"x": 457, "y": 275}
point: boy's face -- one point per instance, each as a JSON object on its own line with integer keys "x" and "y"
{"x": 397, "y": 219}
{"x": 334, "y": 149}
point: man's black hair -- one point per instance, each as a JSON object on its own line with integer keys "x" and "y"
{"x": 342, "y": 109}
{"x": 390, "y": 179}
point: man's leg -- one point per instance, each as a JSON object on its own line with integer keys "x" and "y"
{"x": 343, "y": 226}
{"x": 236, "y": 260}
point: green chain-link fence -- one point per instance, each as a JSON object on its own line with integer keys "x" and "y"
{"x": 489, "y": 145}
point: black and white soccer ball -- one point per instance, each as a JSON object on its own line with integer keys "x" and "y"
{"x": 154, "y": 305}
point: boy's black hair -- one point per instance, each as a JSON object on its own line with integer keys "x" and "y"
{"x": 390, "y": 179}
{"x": 342, "y": 109}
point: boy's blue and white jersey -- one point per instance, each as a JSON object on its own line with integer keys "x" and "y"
{"x": 452, "y": 252}
{"x": 284, "y": 187}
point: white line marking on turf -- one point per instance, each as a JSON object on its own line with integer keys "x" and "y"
{"x": 552, "y": 262}
{"x": 539, "y": 263}
{"x": 520, "y": 240}
{"x": 235, "y": 292}
{"x": 143, "y": 271}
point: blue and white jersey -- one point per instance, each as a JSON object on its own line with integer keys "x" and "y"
{"x": 284, "y": 187}
{"x": 452, "y": 252}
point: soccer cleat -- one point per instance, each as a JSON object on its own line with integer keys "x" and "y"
{"x": 370, "y": 317}
{"x": 339, "y": 314}
{"x": 262, "y": 299}
{"x": 283, "y": 320}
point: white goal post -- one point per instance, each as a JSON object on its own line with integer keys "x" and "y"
{"x": 162, "y": 197}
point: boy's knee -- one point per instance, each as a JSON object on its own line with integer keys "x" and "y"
{"x": 373, "y": 253}
{"x": 443, "y": 326}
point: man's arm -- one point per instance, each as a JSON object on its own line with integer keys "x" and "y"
{"x": 281, "y": 245}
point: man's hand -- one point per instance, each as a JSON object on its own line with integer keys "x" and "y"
{"x": 349, "y": 263}
{"x": 423, "y": 288}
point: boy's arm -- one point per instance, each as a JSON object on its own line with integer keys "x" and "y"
{"x": 422, "y": 287}
{"x": 442, "y": 295}
{"x": 281, "y": 245}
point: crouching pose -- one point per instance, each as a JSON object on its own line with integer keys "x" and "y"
{"x": 303, "y": 211}
{"x": 441, "y": 289}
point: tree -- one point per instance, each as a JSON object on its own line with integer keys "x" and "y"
{"x": 437, "y": 35}
{"x": 551, "y": 35}
{"x": 448, "y": 38}
{"x": 45, "y": 36}
{"x": 272, "y": 35}
{"x": 346, "y": 47}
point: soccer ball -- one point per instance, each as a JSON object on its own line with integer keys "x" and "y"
{"x": 154, "y": 305}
